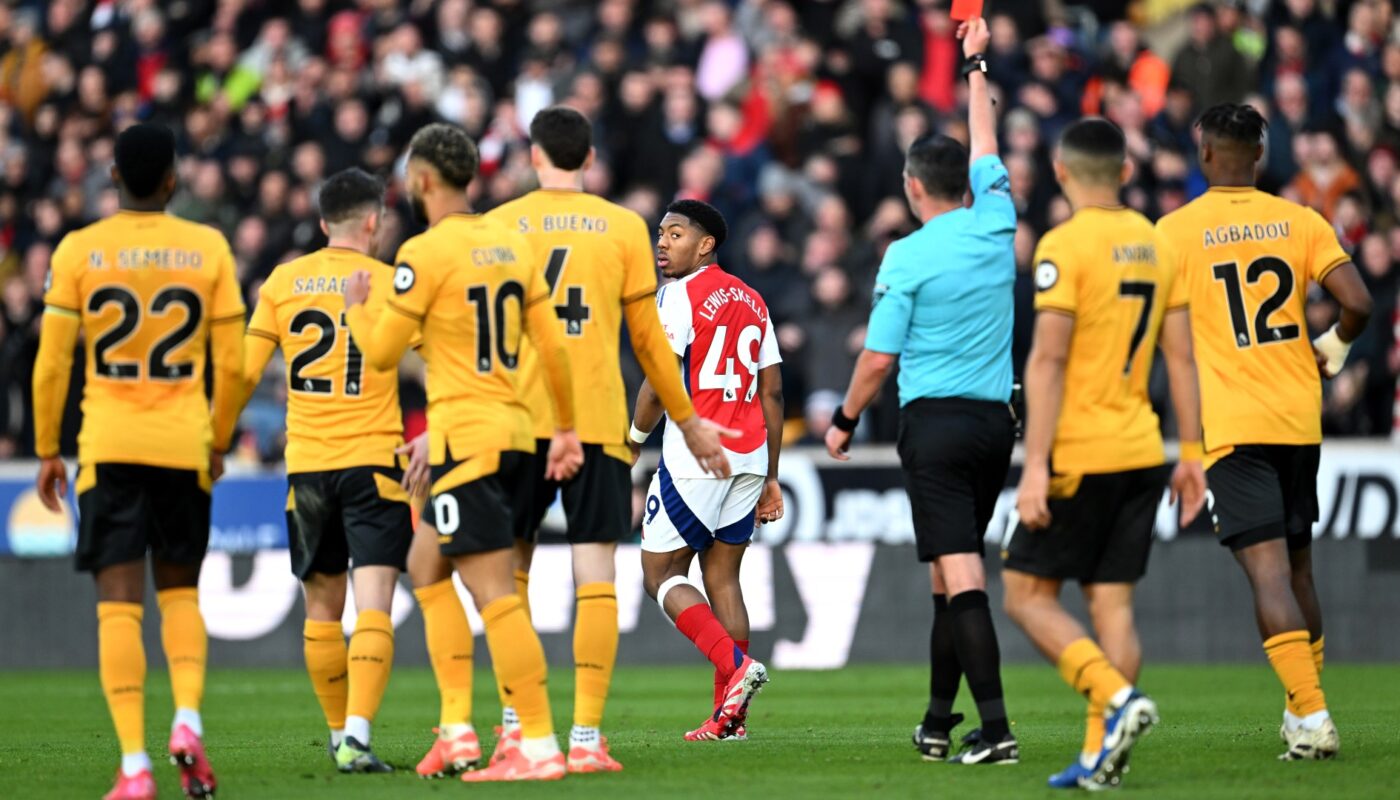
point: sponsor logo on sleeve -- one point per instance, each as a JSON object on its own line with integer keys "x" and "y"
{"x": 403, "y": 278}
{"x": 881, "y": 289}
{"x": 1046, "y": 275}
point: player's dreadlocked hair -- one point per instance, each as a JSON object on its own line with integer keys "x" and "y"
{"x": 705, "y": 216}
{"x": 1235, "y": 122}
{"x": 449, "y": 150}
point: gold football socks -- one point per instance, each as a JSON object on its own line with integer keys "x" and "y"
{"x": 371, "y": 658}
{"x": 323, "y": 646}
{"x": 450, "y": 645}
{"x": 121, "y": 658}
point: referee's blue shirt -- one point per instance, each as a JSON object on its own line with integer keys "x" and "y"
{"x": 944, "y": 297}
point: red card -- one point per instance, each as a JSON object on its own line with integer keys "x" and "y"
{"x": 966, "y": 9}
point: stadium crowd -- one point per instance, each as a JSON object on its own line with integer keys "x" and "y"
{"x": 790, "y": 117}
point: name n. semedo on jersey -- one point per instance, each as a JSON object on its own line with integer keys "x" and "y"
{"x": 149, "y": 258}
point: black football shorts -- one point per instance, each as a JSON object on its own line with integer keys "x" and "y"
{"x": 597, "y": 501}
{"x": 487, "y": 512}
{"x": 1100, "y": 528}
{"x": 127, "y": 510}
{"x": 1264, "y": 491}
{"x": 955, "y": 454}
{"x": 357, "y": 515}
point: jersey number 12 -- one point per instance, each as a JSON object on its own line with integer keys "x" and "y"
{"x": 1264, "y": 333}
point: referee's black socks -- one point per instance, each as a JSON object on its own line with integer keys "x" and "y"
{"x": 976, "y": 643}
{"x": 945, "y": 671}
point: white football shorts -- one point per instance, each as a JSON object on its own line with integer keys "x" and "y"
{"x": 694, "y": 512}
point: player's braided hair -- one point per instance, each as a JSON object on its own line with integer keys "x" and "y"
{"x": 1236, "y": 122}
{"x": 704, "y": 215}
{"x": 449, "y": 150}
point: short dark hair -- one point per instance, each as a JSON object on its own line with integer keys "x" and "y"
{"x": 145, "y": 155}
{"x": 704, "y": 216}
{"x": 1093, "y": 150}
{"x": 564, "y": 135}
{"x": 1234, "y": 122}
{"x": 939, "y": 162}
{"x": 348, "y": 194}
{"x": 449, "y": 150}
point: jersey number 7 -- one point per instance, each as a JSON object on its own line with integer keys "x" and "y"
{"x": 1147, "y": 291}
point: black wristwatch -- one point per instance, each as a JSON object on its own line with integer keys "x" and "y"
{"x": 841, "y": 422}
{"x": 974, "y": 63}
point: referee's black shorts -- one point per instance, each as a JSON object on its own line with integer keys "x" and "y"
{"x": 955, "y": 454}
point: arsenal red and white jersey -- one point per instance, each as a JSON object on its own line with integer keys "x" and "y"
{"x": 721, "y": 330}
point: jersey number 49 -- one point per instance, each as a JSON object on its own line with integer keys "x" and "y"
{"x": 730, "y": 381}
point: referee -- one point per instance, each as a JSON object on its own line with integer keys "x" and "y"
{"x": 943, "y": 305}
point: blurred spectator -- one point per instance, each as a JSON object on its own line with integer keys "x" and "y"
{"x": 1209, "y": 66}
{"x": 1324, "y": 176}
{"x": 724, "y": 58}
{"x": 792, "y": 117}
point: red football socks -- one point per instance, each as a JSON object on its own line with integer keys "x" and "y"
{"x": 700, "y": 626}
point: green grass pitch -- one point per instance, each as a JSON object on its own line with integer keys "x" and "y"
{"x": 813, "y": 735}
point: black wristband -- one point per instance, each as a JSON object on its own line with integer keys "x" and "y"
{"x": 974, "y": 63}
{"x": 841, "y": 422}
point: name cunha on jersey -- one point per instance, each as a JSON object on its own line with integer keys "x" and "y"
{"x": 722, "y": 297}
{"x": 149, "y": 258}
{"x": 565, "y": 223}
{"x": 490, "y": 256}
{"x": 1252, "y": 232}
{"x": 319, "y": 285}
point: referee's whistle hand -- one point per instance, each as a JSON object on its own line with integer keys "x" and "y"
{"x": 837, "y": 443}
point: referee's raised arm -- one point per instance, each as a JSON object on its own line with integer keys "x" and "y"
{"x": 943, "y": 308}
{"x": 981, "y": 121}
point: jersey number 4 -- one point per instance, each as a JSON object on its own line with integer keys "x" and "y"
{"x": 729, "y": 381}
{"x": 330, "y": 331}
{"x": 1264, "y": 333}
{"x": 158, "y": 367}
{"x": 573, "y": 312}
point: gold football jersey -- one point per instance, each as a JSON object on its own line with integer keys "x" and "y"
{"x": 1101, "y": 267}
{"x": 1244, "y": 259}
{"x": 597, "y": 258}
{"x": 341, "y": 412}
{"x": 466, "y": 284}
{"x": 147, "y": 288}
